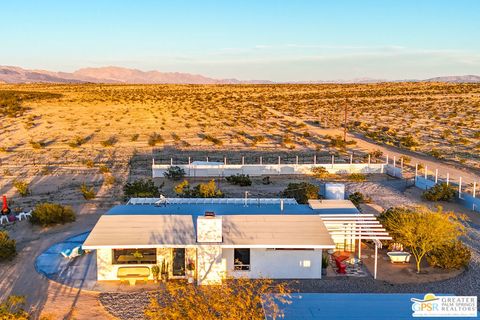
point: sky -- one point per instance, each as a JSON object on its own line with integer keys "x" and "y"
{"x": 279, "y": 40}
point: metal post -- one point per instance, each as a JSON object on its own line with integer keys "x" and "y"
{"x": 189, "y": 162}
{"x": 278, "y": 160}
{"x": 246, "y": 198}
{"x": 387, "y": 159}
{"x": 460, "y": 187}
{"x": 207, "y": 159}
{"x": 401, "y": 163}
{"x": 296, "y": 160}
{"x": 474, "y": 188}
{"x": 448, "y": 178}
{"x": 243, "y": 160}
{"x": 359, "y": 243}
{"x": 436, "y": 176}
{"x": 225, "y": 161}
{"x": 416, "y": 171}
{"x": 351, "y": 158}
{"x": 333, "y": 160}
{"x": 369, "y": 159}
{"x": 375, "y": 266}
{"x": 153, "y": 161}
{"x": 171, "y": 161}
{"x": 315, "y": 159}
{"x": 261, "y": 159}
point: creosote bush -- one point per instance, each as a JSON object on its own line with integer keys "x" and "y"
{"x": 454, "y": 255}
{"x": 88, "y": 193}
{"x": 23, "y": 188}
{"x": 320, "y": 172}
{"x": 174, "y": 173}
{"x": 357, "y": 177}
{"x": 141, "y": 189}
{"x": 12, "y": 308}
{"x": 440, "y": 192}
{"x": 7, "y": 247}
{"x": 239, "y": 180}
{"x": 357, "y": 198}
{"x": 47, "y": 214}
{"x": 302, "y": 192}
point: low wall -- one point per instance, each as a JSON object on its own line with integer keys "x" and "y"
{"x": 267, "y": 169}
{"x": 396, "y": 172}
{"x": 465, "y": 199}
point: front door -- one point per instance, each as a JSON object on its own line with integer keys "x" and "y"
{"x": 178, "y": 268}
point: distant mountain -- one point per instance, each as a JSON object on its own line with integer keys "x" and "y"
{"x": 134, "y": 76}
{"x": 456, "y": 79}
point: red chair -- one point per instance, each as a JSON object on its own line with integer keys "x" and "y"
{"x": 341, "y": 267}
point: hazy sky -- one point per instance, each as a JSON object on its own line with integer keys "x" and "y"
{"x": 259, "y": 39}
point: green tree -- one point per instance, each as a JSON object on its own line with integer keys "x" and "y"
{"x": 422, "y": 230}
{"x": 440, "y": 192}
{"x": 47, "y": 214}
{"x": 174, "y": 173}
{"x": 12, "y": 309}
{"x": 234, "y": 299}
{"x": 141, "y": 189}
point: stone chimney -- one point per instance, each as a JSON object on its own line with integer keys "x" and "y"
{"x": 209, "y": 229}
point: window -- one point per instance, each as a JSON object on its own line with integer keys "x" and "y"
{"x": 241, "y": 259}
{"x": 134, "y": 256}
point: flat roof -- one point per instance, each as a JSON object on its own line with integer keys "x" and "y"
{"x": 328, "y": 205}
{"x": 247, "y": 231}
{"x": 141, "y": 231}
{"x": 269, "y": 231}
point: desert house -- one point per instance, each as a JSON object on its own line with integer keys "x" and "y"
{"x": 209, "y": 239}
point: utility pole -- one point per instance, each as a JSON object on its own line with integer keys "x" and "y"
{"x": 345, "y": 122}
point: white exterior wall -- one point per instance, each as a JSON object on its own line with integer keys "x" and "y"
{"x": 211, "y": 265}
{"x": 278, "y": 264}
{"x": 108, "y": 271}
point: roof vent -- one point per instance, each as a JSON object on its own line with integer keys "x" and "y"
{"x": 209, "y": 214}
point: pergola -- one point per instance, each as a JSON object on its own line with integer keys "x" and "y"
{"x": 356, "y": 227}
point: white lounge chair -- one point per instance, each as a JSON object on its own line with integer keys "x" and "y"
{"x": 72, "y": 253}
{"x": 3, "y": 218}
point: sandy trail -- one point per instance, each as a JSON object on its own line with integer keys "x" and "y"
{"x": 469, "y": 175}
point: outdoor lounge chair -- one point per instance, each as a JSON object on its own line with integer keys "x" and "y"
{"x": 341, "y": 267}
{"x": 72, "y": 253}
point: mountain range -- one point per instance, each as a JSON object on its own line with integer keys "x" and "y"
{"x": 119, "y": 75}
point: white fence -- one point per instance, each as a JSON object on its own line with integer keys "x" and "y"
{"x": 223, "y": 170}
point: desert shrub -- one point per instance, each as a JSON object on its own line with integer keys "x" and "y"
{"x": 154, "y": 139}
{"x": 435, "y": 153}
{"x": 141, "y": 189}
{"x": 453, "y": 255}
{"x": 440, "y": 192}
{"x": 357, "y": 177}
{"x": 174, "y": 173}
{"x": 88, "y": 193}
{"x": 302, "y": 191}
{"x": 109, "y": 179}
{"x": 358, "y": 197}
{"x": 213, "y": 140}
{"x": 239, "y": 180}
{"x": 109, "y": 142}
{"x": 23, "y": 187}
{"x": 104, "y": 169}
{"x": 46, "y": 214}
{"x": 77, "y": 142}
{"x": 320, "y": 172}
{"x": 13, "y": 308}
{"x": 134, "y": 137}
{"x": 201, "y": 190}
{"x": 37, "y": 144}
{"x": 7, "y": 247}
{"x": 409, "y": 142}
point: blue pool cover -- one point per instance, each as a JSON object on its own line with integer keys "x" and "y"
{"x": 351, "y": 306}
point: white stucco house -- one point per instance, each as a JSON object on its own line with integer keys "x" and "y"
{"x": 210, "y": 239}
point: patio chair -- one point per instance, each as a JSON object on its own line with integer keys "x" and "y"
{"x": 24, "y": 215}
{"x": 341, "y": 267}
{"x": 72, "y": 253}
